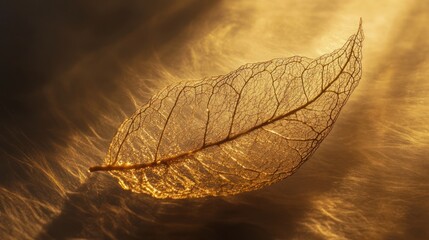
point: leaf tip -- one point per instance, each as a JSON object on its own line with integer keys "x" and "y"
{"x": 360, "y": 30}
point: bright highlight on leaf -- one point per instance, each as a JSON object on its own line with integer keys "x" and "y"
{"x": 237, "y": 132}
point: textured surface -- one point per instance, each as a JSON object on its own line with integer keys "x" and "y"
{"x": 237, "y": 132}
{"x": 367, "y": 180}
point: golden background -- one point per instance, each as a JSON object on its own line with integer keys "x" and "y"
{"x": 82, "y": 68}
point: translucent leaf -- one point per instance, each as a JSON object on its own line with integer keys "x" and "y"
{"x": 237, "y": 132}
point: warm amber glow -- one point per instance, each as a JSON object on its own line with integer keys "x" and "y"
{"x": 90, "y": 66}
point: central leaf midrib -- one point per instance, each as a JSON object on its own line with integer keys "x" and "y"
{"x": 167, "y": 160}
